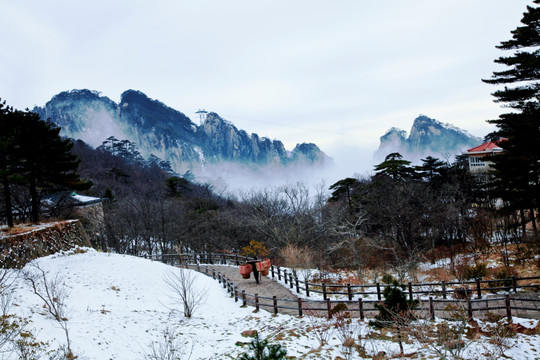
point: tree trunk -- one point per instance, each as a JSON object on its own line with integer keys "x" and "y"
{"x": 35, "y": 199}
{"x": 533, "y": 220}
{"x": 7, "y": 196}
{"x": 523, "y": 223}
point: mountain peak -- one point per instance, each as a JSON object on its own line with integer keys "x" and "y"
{"x": 428, "y": 137}
{"x": 154, "y": 128}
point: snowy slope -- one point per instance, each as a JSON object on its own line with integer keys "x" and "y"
{"x": 118, "y": 305}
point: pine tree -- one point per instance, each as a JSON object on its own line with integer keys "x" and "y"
{"x": 395, "y": 167}
{"x": 431, "y": 169}
{"x": 46, "y": 161}
{"x": 34, "y": 154}
{"x": 517, "y": 169}
{"x": 6, "y": 161}
{"x": 344, "y": 189}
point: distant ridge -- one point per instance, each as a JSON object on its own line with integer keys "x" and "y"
{"x": 428, "y": 137}
{"x": 157, "y": 133}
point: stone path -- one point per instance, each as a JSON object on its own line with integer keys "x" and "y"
{"x": 266, "y": 288}
{"x": 269, "y": 288}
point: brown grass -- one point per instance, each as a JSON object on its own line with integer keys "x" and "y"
{"x": 18, "y": 229}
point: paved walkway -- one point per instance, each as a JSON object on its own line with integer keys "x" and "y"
{"x": 266, "y": 287}
{"x": 269, "y": 288}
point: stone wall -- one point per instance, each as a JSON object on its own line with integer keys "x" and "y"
{"x": 18, "y": 249}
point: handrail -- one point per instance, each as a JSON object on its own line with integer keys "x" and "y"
{"x": 459, "y": 289}
{"x": 358, "y": 305}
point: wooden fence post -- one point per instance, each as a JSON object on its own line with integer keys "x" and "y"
{"x": 272, "y": 268}
{"x": 278, "y": 273}
{"x": 244, "y": 301}
{"x": 236, "y": 293}
{"x": 297, "y": 285}
{"x": 224, "y": 282}
{"x": 514, "y": 283}
{"x": 214, "y": 274}
{"x": 219, "y": 277}
{"x": 290, "y": 281}
{"x": 443, "y": 285}
{"x": 379, "y": 291}
{"x": 285, "y": 276}
{"x": 274, "y": 298}
{"x": 431, "y": 308}
{"x": 307, "y": 287}
{"x": 508, "y": 307}
{"x": 324, "y": 291}
{"x": 361, "y": 308}
{"x": 349, "y": 291}
{"x": 256, "y": 302}
{"x": 329, "y": 307}
{"x": 300, "y": 311}
{"x": 478, "y": 288}
{"x": 410, "y": 291}
{"x": 469, "y": 309}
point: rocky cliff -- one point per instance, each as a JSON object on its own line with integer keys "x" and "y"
{"x": 428, "y": 137}
{"x": 161, "y": 134}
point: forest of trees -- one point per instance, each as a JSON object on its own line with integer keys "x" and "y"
{"x": 34, "y": 161}
{"x": 391, "y": 219}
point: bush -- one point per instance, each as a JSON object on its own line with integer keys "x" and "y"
{"x": 262, "y": 350}
{"x": 503, "y": 273}
{"x": 477, "y": 271}
{"x": 395, "y": 307}
{"x": 255, "y": 248}
{"x": 388, "y": 279}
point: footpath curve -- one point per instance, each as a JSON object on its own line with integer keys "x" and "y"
{"x": 266, "y": 287}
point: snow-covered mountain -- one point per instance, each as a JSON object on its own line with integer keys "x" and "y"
{"x": 161, "y": 134}
{"x": 428, "y": 137}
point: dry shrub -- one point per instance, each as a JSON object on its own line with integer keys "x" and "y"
{"x": 299, "y": 259}
{"x": 443, "y": 252}
{"x": 438, "y": 275}
{"x": 503, "y": 272}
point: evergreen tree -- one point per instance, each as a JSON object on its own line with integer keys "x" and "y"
{"x": 431, "y": 169}
{"x": 262, "y": 350}
{"x": 6, "y": 159}
{"x": 35, "y": 155}
{"x": 517, "y": 169}
{"x": 395, "y": 167}
{"x": 344, "y": 189}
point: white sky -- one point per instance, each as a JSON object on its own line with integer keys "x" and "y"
{"x": 336, "y": 73}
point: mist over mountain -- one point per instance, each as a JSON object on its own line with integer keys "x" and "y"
{"x": 144, "y": 129}
{"x": 428, "y": 137}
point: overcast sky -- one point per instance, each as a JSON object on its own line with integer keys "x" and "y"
{"x": 336, "y": 73}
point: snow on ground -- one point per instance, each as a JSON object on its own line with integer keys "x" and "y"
{"x": 118, "y": 305}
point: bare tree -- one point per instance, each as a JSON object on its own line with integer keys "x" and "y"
{"x": 169, "y": 347}
{"x": 186, "y": 292}
{"x": 53, "y": 291}
{"x": 7, "y": 278}
{"x": 285, "y": 215}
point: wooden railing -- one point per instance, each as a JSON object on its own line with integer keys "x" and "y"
{"x": 463, "y": 289}
{"x": 433, "y": 297}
